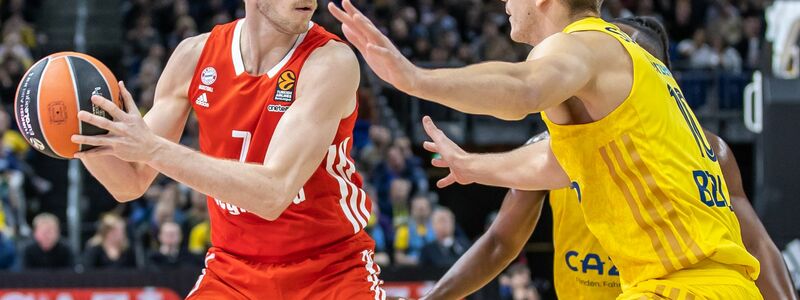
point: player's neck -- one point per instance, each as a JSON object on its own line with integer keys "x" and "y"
{"x": 556, "y": 21}
{"x": 263, "y": 45}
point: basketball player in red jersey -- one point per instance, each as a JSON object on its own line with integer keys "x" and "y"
{"x": 275, "y": 98}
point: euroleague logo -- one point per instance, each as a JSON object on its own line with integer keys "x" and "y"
{"x": 286, "y": 81}
{"x": 285, "y": 89}
{"x": 209, "y": 76}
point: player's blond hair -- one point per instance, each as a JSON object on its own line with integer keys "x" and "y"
{"x": 579, "y": 6}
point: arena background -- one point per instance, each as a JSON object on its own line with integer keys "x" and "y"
{"x": 716, "y": 47}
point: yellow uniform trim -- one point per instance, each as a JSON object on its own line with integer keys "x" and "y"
{"x": 637, "y": 215}
{"x": 659, "y": 193}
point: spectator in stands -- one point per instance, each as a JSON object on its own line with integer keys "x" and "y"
{"x": 11, "y": 179}
{"x": 492, "y": 45}
{"x": 47, "y": 251}
{"x": 170, "y": 254}
{"x": 415, "y": 233}
{"x": 447, "y": 248}
{"x": 375, "y": 229}
{"x": 396, "y": 166}
{"x": 373, "y": 153}
{"x": 750, "y": 45}
{"x": 14, "y": 59}
{"x": 399, "y": 194}
{"x": 141, "y": 37}
{"x": 166, "y": 208}
{"x": 685, "y": 17}
{"x": 723, "y": 20}
{"x": 8, "y": 251}
{"x": 200, "y": 238}
{"x": 199, "y": 232}
{"x": 108, "y": 248}
{"x": 413, "y": 164}
{"x": 517, "y": 285}
{"x": 724, "y": 56}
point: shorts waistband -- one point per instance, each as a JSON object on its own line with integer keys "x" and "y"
{"x": 359, "y": 241}
{"x": 708, "y": 271}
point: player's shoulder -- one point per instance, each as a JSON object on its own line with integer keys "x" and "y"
{"x": 332, "y": 60}
{"x": 189, "y": 50}
{"x": 718, "y": 145}
{"x": 333, "y": 55}
{"x": 563, "y": 44}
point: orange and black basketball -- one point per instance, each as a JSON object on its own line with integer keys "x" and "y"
{"x": 50, "y": 95}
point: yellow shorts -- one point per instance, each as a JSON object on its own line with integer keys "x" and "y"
{"x": 712, "y": 281}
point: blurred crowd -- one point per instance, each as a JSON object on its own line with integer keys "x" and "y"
{"x": 169, "y": 226}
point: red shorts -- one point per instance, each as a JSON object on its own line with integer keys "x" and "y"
{"x": 343, "y": 271}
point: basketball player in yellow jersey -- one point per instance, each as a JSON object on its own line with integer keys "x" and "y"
{"x": 582, "y": 269}
{"x": 623, "y": 137}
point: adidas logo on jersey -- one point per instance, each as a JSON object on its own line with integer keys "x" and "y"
{"x": 202, "y": 100}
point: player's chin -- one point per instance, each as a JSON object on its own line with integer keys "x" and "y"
{"x": 516, "y": 35}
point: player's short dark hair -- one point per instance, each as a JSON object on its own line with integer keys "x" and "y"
{"x": 652, "y": 36}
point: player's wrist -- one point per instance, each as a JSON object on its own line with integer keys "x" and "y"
{"x": 158, "y": 152}
{"x": 416, "y": 79}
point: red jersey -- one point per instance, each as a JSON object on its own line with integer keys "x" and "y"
{"x": 237, "y": 114}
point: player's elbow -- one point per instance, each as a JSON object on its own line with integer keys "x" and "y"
{"x": 127, "y": 195}
{"x": 526, "y": 101}
{"x": 128, "y": 192}
{"x": 504, "y": 247}
{"x": 269, "y": 215}
{"x": 272, "y": 206}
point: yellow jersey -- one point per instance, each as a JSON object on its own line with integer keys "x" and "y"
{"x": 650, "y": 187}
{"x": 581, "y": 267}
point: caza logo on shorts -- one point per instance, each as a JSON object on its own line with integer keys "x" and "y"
{"x": 209, "y": 76}
{"x": 284, "y": 92}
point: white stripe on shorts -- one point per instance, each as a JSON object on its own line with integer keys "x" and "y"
{"x": 209, "y": 257}
{"x": 371, "y": 266}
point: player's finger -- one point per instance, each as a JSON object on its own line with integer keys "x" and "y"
{"x": 94, "y": 152}
{"x": 92, "y": 140}
{"x": 430, "y": 146}
{"x": 370, "y": 32}
{"x": 338, "y": 13}
{"x": 108, "y": 106}
{"x": 445, "y": 182}
{"x": 436, "y": 134}
{"x": 439, "y": 163}
{"x": 127, "y": 98}
{"x": 97, "y": 121}
{"x": 350, "y": 8}
{"x": 354, "y": 37}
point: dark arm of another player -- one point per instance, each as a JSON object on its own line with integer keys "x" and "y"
{"x": 774, "y": 281}
{"x": 495, "y": 249}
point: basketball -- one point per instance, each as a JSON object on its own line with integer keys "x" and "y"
{"x": 50, "y": 95}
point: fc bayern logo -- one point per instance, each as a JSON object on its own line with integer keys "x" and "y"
{"x": 209, "y": 76}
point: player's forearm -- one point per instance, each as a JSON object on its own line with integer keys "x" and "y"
{"x": 251, "y": 187}
{"x": 494, "y": 250}
{"x": 774, "y": 281}
{"x": 525, "y": 168}
{"x": 479, "y": 265}
{"x": 125, "y": 181}
{"x": 498, "y": 89}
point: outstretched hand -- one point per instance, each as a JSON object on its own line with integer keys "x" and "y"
{"x": 450, "y": 156}
{"x": 382, "y": 56}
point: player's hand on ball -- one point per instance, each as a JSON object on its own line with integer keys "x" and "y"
{"x": 379, "y": 52}
{"x": 128, "y": 136}
{"x": 451, "y": 155}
